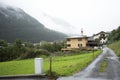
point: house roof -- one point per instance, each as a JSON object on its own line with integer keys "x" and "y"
{"x": 101, "y": 33}
{"x": 76, "y": 37}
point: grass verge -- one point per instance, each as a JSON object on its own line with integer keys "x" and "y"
{"x": 62, "y": 65}
{"x": 116, "y": 47}
{"x": 103, "y": 66}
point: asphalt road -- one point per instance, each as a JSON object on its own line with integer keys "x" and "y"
{"x": 92, "y": 71}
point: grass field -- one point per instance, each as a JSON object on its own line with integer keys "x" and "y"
{"x": 116, "y": 47}
{"x": 62, "y": 65}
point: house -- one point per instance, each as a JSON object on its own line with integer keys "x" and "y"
{"x": 76, "y": 41}
{"x": 80, "y": 42}
{"x": 101, "y": 37}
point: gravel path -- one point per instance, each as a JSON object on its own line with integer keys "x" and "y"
{"x": 92, "y": 71}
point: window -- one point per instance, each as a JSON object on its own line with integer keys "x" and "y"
{"x": 102, "y": 35}
{"x": 68, "y": 45}
{"x": 104, "y": 38}
{"x": 79, "y": 45}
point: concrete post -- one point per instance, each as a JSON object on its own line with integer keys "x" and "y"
{"x": 38, "y": 65}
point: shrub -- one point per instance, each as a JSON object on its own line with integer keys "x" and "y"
{"x": 32, "y": 53}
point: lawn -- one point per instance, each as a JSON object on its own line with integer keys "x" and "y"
{"x": 62, "y": 65}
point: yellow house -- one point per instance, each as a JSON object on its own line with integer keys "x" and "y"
{"x": 80, "y": 42}
{"x": 76, "y": 42}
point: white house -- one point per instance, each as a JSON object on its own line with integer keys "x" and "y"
{"x": 101, "y": 36}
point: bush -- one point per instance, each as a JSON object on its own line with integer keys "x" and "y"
{"x": 32, "y": 53}
{"x": 51, "y": 47}
{"x": 18, "y": 50}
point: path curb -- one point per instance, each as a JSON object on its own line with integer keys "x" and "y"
{"x": 23, "y": 76}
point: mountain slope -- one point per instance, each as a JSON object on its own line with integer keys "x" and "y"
{"x": 15, "y": 23}
{"x": 55, "y": 23}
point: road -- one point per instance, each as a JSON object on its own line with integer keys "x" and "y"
{"x": 92, "y": 71}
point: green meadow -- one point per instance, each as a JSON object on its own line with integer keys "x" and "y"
{"x": 116, "y": 47}
{"x": 61, "y": 65}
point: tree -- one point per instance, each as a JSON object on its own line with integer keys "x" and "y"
{"x": 114, "y": 35}
{"x": 3, "y": 43}
{"x": 18, "y": 44}
{"x": 29, "y": 45}
{"x": 47, "y": 46}
{"x": 3, "y": 50}
{"x": 18, "y": 48}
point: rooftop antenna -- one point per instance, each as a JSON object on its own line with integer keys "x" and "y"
{"x": 81, "y": 31}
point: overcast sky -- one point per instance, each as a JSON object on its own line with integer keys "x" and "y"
{"x": 91, "y": 15}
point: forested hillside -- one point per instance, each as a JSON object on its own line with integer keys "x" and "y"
{"x": 114, "y": 40}
{"x": 114, "y": 35}
{"x": 15, "y": 23}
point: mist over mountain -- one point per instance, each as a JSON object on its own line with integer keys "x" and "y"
{"x": 55, "y": 23}
{"x": 15, "y": 23}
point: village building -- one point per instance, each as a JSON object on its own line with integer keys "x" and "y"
{"x": 80, "y": 42}
{"x": 76, "y": 42}
{"x": 101, "y": 37}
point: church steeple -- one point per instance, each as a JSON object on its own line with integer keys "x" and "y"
{"x": 81, "y": 31}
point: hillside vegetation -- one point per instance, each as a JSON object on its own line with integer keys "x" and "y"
{"x": 62, "y": 65}
{"x": 116, "y": 47}
{"x": 114, "y": 40}
{"x": 25, "y": 50}
{"x": 114, "y": 35}
{"x": 15, "y": 23}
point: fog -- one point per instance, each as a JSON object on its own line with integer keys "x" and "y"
{"x": 69, "y": 16}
